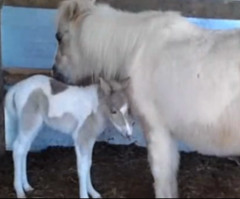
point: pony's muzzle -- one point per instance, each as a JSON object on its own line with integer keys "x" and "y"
{"x": 54, "y": 70}
{"x": 56, "y": 74}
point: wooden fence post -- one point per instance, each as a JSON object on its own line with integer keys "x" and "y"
{"x": 2, "y": 126}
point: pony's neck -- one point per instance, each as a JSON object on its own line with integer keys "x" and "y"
{"x": 109, "y": 37}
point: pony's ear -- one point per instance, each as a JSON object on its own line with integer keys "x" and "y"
{"x": 70, "y": 9}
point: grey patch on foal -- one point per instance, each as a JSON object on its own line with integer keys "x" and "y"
{"x": 91, "y": 128}
{"x": 36, "y": 104}
{"x": 57, "y": 86}
{"x": 67, "y": 122}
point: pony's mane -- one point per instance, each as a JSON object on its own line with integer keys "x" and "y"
{"x": 119, "y": 33}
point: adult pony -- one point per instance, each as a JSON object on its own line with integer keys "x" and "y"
{"x": 185, "y": 80}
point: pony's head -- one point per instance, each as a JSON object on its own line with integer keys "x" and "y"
{"x": 71, "y": 14}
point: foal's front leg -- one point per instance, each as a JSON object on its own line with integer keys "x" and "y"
{"x": 84, "y": 161}
{"x": 91, "y": 189}
{"x": 82, "y": 169}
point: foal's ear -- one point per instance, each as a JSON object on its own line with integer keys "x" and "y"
{"x": 120, "y": 85}
{"x": 93, "y": 1}
{"x": 70, "y": 9}
{"x": 105, "y": 86}
{"x": 125, "y": 83}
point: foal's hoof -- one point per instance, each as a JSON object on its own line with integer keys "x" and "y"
{"x": 96, "y": 195}
{"x": 21, "y": 195}
{"x": 28, "y": 188}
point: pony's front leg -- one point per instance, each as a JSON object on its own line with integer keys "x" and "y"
{"x": 164, "y": 161}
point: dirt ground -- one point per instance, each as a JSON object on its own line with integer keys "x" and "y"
{"x": 121, "y": 172}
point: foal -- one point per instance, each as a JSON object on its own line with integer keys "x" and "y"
{"x": 82, "y": 112}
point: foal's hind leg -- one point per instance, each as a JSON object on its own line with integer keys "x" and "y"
{"x": 31, "y": 134}
{"x": 27, "y": 133}
{"x": 17, "y": 160}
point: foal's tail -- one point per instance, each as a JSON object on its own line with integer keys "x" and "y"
{"x": 10, "y": 118}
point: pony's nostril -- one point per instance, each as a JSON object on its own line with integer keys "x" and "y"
{"x": 133, "y": 123}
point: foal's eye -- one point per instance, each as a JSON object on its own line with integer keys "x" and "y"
{"x": 113, "y": 111}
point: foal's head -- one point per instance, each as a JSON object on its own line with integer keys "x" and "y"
{"x": 116, "y": 106}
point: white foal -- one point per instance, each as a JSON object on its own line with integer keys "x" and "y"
{"x": 82, "y": 112}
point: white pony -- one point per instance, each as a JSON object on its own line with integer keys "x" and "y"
{"x": 184, "y": 80}
{"x": 82, "y": 112}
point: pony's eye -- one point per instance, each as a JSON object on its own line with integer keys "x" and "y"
{"x": 58, "y": 37}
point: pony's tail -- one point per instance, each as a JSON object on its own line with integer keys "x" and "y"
{"x": 10, "y": 119}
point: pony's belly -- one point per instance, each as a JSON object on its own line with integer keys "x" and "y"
{"x": 207, "y": 122}
{"x": 198, "y": 100}
{"x": 221, "y": 138}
